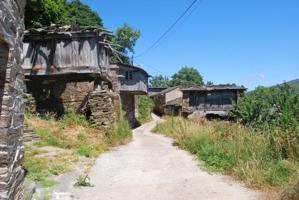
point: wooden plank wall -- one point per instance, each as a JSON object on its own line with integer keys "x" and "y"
{"x": 75, "y": 52}
{"x": 212, "y": 100}
{"x": 138, "y": 82}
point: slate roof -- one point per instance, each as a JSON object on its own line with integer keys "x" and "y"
{"x": 54, "y": 31}
{"x": 133, "y": 67}
{"x": 216, "y": 87}
{"x": 166, "y": 90}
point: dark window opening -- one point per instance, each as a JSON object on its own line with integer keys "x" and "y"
{"x": 129, "y": 75}
{"x": 3, "y": 64}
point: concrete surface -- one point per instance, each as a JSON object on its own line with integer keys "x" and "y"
{"x": 151, "y": 168}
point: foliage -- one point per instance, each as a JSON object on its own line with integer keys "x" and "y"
{"x": 81, "y": 14}
{"x": 124, "y": 40}
{"x": 83, "y": 181}
{"x": 234, "y": 149}
{"x": 187, "y": 77}
{"x": 145, "y": 108}
{"x": 159, "y": 81}
{"x": 276, "y": 111}
{"x": 209, "y": 83}
{"x": 294, "y": 84}
{"x": 40, "y": 13}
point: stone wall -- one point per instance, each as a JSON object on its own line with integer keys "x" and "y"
{"x": 11, "y": 99}
{"x": 58, "y": 96}
{"x": 75, "y": 93}
{"x": 102, "y": 107}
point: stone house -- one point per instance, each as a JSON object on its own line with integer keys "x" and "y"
{"x": 69, "y": 67}
{"x": 168, "y": 101}
{"x": 217, "y": 100}
{"x": 131, "y": 83}
{"x": 11, "y": 99}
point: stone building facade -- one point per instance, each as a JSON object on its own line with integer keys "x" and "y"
{"x": 11, "y": 99}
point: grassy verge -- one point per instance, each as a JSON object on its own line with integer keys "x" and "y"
{"x": 235, "y": 150}
{"x": 64, "y": 141}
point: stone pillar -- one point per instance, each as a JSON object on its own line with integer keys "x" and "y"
{"x": 11, "y": 99}
{"x": 102, "y": 107}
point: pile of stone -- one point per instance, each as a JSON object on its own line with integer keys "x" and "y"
{"x": 101, "y": 107}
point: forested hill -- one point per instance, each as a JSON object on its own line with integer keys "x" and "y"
{"x": 294, "y": 84}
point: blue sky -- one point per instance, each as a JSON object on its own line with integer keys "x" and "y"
{"x": 248, "y": 42}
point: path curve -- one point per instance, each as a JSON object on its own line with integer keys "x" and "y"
{"x": 151, "y": 168}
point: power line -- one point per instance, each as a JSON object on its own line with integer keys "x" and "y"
{"x": 150, "y": 66}
{"x": 169, "y": 29}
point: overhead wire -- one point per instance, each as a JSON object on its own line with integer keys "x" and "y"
{"x": 169, "y": 29}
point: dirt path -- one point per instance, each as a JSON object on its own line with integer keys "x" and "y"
{"x": 151, "y": 168}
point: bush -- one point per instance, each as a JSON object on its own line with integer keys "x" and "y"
{"x": 274, "y": 111}
{"x": 146, "y": 106}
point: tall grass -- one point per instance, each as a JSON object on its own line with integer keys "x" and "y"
{"x": 121, "y": 131}
{"x": 234, "y": 149}
{"x": 275, "y": 113}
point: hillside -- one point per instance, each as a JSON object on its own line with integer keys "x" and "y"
{"x": 294, "y": 83}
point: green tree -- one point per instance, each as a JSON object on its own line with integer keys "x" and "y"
{"x": 81, "y": 14}
{"x": 209, "y": 83}
{"x": 159, "y": 81}
{"x": 40, "y": 13}
{"x": 187, "y": 77}
{"x": 124, "y": 41}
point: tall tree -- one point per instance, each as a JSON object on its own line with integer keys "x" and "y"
{"x": 124, "y": 41}
{"x": 209, "y": 83}
{"x": 39, "y": 13}
{"x": 159, "y": 81}
{"x": 187, "y": 77}
{"x": 81, "y": 14}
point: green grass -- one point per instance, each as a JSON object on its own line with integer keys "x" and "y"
{"x": 75, "y": 137}
{"x": 42, "y": 168}
{"x": 121, "y": 131}
{"x": 233, "y": 149}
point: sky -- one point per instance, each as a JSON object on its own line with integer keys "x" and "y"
{"x": 247, "y": 42}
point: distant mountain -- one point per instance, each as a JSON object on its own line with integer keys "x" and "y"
{"x": 294, "y": 83}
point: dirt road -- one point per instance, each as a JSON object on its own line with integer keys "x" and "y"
{"x": 149, "y": 168}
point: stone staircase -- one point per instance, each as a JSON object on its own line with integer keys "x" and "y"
{"x": 29, "y": 137}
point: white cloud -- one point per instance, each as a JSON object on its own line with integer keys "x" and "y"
{"x": 262, "y": 76}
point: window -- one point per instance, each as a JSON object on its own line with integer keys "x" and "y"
{"x": 129, "y": 75}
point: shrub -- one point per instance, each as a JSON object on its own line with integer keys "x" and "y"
{"x": 274, "y": 111}
{"x": 145, "y": 108}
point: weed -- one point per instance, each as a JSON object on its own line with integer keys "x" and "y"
{"x": 83, "y": 181}
{"x": 86, "y": 151}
